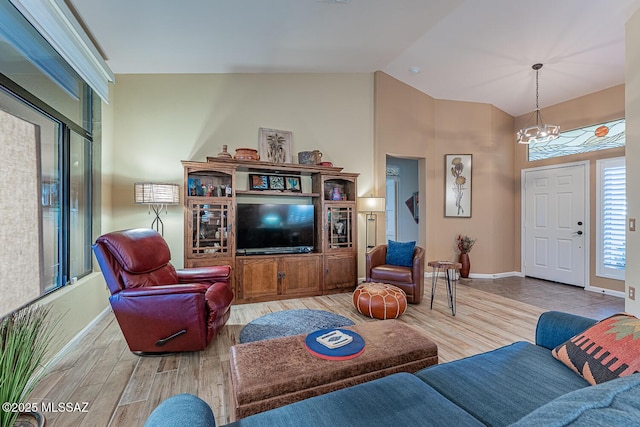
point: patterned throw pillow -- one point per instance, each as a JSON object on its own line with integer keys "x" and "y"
{"x": 607, "y": 350}
{"x": 400, "y": 253}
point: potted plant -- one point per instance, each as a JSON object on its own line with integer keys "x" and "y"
{"x": 465, "y": 243}
{"x": 25, "y": 336}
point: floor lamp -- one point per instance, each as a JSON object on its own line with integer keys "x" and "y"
{"x": 158, "y": 197}
{"x": 369, "y": 205}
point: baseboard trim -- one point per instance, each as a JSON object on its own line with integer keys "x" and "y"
{"x": 618, "y": 294}
{"x": 72, "y": 342}
{"x": 429, "y": 274}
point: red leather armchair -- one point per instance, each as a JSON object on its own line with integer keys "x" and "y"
{"x": 161, "y": 309}
{"x": 409, "y": 279}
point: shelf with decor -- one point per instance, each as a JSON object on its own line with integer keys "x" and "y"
{"x": 217, "y": 230}
{"x": 274, "y": 193}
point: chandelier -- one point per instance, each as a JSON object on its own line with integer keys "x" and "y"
{"x": 541, "y": 131}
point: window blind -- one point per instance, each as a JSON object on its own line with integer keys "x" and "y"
{"x": 614, "y": 212}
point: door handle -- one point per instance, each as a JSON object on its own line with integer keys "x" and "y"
{"x": 579, "y": 232}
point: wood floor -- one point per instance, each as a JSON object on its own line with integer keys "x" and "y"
{"x": 122, "y": 389}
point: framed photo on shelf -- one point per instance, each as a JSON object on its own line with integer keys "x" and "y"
{"x": 457, "y": 199}
{"x": 275, "y": 145}
{"x": 276, "y": 182}
{"x": 292, "y": 183}
{"x": 258, "y": 182}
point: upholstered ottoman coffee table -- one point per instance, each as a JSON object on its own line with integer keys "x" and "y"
{"x": 379, "y": 300}
{"x": 271, "y": 373}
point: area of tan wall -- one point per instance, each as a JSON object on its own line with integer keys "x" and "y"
{"x": 404, "y": 128}
{"x": 106, "y": 165}
{"x": 163, "y": 119}
{"x": 632, "y": 105}
{"x": 477, "y": 129}
{"x": 598, "y": 107}
{"x": 76, "y": 306}
{"x": 412, "y": 124}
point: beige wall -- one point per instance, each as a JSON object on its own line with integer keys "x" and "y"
{"x": 162, "y": 119}
{"x": 588, "y": 110}
{"x": 632, "y": 105}
{"x": 411, "y": 124}
{"x": 76, "y": 306}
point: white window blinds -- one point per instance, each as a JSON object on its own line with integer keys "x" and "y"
{"x": 612, "y": 218}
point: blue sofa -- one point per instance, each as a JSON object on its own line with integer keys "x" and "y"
{"x": 517, "y": 385}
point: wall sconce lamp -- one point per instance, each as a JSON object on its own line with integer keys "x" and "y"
{"x": 371, "y": 205}
{"x": 158, "y": 197}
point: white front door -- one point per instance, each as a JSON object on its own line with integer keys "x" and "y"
{"x": 555, "y": 223}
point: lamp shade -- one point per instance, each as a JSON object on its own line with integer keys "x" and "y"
{"x": 156, "y": 193}
{"x": 371, "y": 204}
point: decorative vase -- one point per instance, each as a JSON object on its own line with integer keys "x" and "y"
{"x": 224, "y": 153}
{"x": 30, "y": 419}
{"x": 466, "y": 265}
{"x": 246, "y": 154}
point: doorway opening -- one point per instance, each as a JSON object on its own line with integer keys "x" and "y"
{"x": 403, "y": 199}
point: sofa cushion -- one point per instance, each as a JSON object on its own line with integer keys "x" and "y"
{"x": 395, "y": 400}
{"x": 502, "y": 386}
{"x": 400, "y": 253}
{"x": 614, "y": 403}
{"x": 607, "y": 350}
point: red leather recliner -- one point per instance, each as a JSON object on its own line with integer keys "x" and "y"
{"x": 409, "y": 279}
{"x": 161, "y": 309}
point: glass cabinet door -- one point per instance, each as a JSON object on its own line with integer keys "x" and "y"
{"x": 209, "y": 228}
{"x": 340, "y": 227}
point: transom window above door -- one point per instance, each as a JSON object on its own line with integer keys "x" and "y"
{"x": 582, "y": 140}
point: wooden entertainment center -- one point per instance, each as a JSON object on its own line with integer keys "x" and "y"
{"x": 212, "y": 192}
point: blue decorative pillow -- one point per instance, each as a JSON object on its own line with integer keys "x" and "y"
{"x": 400, "y": 253}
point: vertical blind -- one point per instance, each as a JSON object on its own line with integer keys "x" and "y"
{"x": 614, "y": 212}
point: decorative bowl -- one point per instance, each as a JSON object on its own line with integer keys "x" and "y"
{"x": 246, "y": 154}
{"x": 326, "y": 164}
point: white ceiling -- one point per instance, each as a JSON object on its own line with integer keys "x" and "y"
{"x": 467, "y": 50}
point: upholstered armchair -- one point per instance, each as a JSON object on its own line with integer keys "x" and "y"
{"x": 161, "y": 309}
{"x": 409, "y": 279}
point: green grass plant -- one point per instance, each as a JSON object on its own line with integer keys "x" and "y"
{"x": 25, "y": 336}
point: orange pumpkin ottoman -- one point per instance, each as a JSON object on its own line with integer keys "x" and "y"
{"x": 379, "y": 300}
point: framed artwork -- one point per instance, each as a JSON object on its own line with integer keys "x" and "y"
{"x": 293, "y": 183}
{"x": 275, "y": 145}
{"x": 258, "y": 182}
{"x": 413, "y": 205}
{"x": 457, "y": 185}
{"x": 276, "y": 182}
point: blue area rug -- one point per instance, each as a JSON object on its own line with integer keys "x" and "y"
{"x": 291, "y": 322}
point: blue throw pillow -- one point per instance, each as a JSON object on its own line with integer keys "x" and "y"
{"x": 400, "y": 253}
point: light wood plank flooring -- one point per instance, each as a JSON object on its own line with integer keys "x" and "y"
{"x": 122, "y": 389}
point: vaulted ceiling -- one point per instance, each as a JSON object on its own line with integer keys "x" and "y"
{"x": 467, "y": 50}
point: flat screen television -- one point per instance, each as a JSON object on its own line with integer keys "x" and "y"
{"x": 274, "y": 228}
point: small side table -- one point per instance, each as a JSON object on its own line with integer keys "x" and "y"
{"x": 447, "y": 267}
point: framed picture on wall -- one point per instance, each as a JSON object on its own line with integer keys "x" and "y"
{"x": 276, "y": 182}
{"x": 258, "y": 182}
{"x": 293, "y": 184}
{"x": 457, "y": 185}
{"x": 275, "y": 145}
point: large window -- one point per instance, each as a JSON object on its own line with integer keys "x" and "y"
{"x": 47, "y": 138}
{"x": 582, "y": 140}
{"x": 611, "y": 218}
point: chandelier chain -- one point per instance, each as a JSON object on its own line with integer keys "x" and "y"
{"x": 537, "y": 86}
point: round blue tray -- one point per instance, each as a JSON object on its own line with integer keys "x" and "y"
{"x": 354, "y": 349}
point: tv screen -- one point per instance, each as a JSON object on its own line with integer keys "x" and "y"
{"x": 274, "y": 228}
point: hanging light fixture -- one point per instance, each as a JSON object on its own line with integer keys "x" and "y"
{"x": 541, "y": 132}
